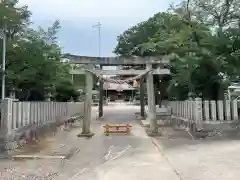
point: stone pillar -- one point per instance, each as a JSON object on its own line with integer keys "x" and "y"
{"x": 198, "y": 114}
{"x": 6, "y": 117}
{"x": 151, "y": 117}
{"x": 12, "y": 94}
{"x": 101, "y": 94}
{"x": 86, "y": 126}
{"x": 48, "y": 97}
{"x": 142, "y": 93}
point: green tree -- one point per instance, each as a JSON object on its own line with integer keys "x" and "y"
{"x": 34, "y": 67}
{"x": 207, "y": 52}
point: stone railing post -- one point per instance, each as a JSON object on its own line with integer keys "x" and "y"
{"x": 67, "y": 106}
{"x": 6, "y": 116}
{"x": 198, "y": 113}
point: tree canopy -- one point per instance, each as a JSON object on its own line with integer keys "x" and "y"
{"x": 34, "y": 69}
{"x": 205, "y": 37}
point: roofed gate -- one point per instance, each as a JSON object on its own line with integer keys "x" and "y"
{"x": 89, "y": 70}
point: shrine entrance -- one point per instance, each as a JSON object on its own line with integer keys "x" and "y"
{"x": 88, "y": 66}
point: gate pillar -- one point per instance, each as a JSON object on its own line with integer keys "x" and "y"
{"x": 142, "y": 98}
{"x": 151, "y": 116}
{"x": 101, "y": 94}
{"x": 86, "y": 125}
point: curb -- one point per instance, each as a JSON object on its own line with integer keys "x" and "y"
{"x": 160, "y": 149}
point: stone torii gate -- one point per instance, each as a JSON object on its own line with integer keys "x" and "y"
{"x": 88, "y": 67}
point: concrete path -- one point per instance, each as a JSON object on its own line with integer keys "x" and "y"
{"x": 207, "y": 159}
{"x": 119, "y": 157}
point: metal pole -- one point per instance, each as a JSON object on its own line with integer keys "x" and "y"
{"x": 101, "y": 91}
{"x": 99, "y": 40}
{"x": 72, "y": 74}
{"x": 4, "y": 62}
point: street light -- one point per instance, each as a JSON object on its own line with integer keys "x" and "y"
{"x": 4, "y": 41}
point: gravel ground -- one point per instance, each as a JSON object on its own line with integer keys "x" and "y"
{"x": 65, "y": 143}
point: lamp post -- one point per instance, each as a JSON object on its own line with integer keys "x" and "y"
{"x": 4, "y": 41}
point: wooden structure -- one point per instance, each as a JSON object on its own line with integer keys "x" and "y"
{"x": 89, "y": 63}
{"x": 117, "y": 128}
{"x": 118, "y": 91}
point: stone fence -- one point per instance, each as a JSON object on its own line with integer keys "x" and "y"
{"x": 23, "y": 121}
{"x": 204, "y": 113}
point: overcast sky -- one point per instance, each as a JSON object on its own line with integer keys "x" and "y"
{"x": 77, "y": 17}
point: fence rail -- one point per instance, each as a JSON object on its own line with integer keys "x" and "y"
{"x": 16, "y": 115}
{"x": 204, "y": 112}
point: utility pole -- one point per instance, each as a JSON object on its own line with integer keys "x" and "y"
{"x": 98, "y": 26}
{"x": 72, "y": 74}
{"x": 4, "y": 41}
{"x": 101, "y": 91}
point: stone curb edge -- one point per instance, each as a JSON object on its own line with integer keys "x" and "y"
{"x": 160, "y": 149}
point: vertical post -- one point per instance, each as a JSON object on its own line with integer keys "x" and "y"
{"x": 229, "y": 94}
{"x": 220, "y": 110}
{"x": 101, "y": 94}
{"x": 86, "y": 131}
{"x": 234, "y": 109}
{"x": 198, "y": 114}
{"x": 151, "y": 102}
{"x": 6, "y": 111}
{"x": 228, "y": 110}
{"x": 98, "y": 26}
{"x": 213, "y": 110}
{"x": 156, "y": 94}
{"x": 142, "y": 103}
{"x": 72, "y": 74}
{"x": 4, "y": 62}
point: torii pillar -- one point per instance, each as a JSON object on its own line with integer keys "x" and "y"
{"x": 151, "y": 117}
{"x": 86, "y": 126}
{"x": 142, "y": 98}
{"x": 101, "y": 99}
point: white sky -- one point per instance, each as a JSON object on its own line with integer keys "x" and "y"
{"x": 111, "y": 10}
{"x": 77, "y": 17}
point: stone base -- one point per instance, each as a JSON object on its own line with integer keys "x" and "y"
{"x": 145, "y": 123}
{"x": 153, "y": 133}
{"x": 88, "y": 135}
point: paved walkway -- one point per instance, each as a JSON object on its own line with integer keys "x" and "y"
{"x": 119, "y": 157}
{"x": 209, "y": 159}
